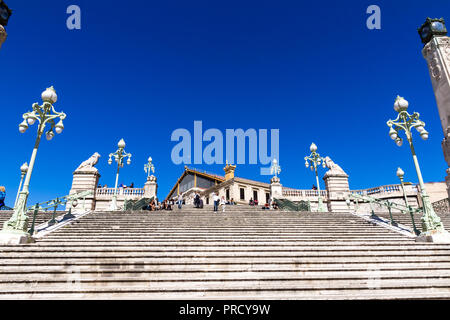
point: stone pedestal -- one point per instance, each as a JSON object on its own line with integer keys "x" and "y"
{"x": 276, "y": 189}
{"x": 437, "y": 54}
{"x": 336, "y": 183}
{"x": 434, "y": 236}
{"x": 15, "y": 237}
{"x": 150, "y": 187}
{"x": 85, "y": 179}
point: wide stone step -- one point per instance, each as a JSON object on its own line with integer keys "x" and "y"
{"x": 298, "y": 236}
{"x": 273, "y": 275}
{"x": 188, "y": 247}
{"x": 222, "y": 259}
{"x": 236, "y": 242}
{"x": 221, "y": 253}
{"x": 353, "y": 294}
{"x": 124, "y": 268}
{"x": 141, "y": 285}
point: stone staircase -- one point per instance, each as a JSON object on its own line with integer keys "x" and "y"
{"x": 244, "y": 253}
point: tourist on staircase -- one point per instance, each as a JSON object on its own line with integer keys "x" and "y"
{"x": 223, "y": 203}
{"x": 196, "y": 200}
{"x": 216, "y": 199}
{"x": 180, "y": 201}
{"x": 2, "y": 198}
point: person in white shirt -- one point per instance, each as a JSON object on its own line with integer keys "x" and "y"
{"x": 216, "y": 201}
{"x": 223, "y": 203}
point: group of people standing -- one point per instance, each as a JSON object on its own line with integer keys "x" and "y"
{"x": 218, "y": 201}
{"x": 198, "y": 202}
{"x": 121, "y": 186}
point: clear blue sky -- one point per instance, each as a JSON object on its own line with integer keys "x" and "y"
{"x": 141, "y": 69}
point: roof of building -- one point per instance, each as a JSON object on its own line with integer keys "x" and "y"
{"x": 202, "y": 173}
{"x": 218, "y": 178}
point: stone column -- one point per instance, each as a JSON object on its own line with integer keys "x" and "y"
{"x": 276, "y": 189}
{"x": 437, "y": 54}
{"x": 85, "y": 179}
{"x": 150, "y": 187}
{"x": 3, "y": 35}
{"x": 336, "y": 183}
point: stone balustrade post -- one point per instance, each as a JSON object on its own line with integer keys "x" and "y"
{"x": 151, "y": 187}
{"x": 85, "y": 179}
{"x": 336, "y": 183}
{"x": 276, "y": 189}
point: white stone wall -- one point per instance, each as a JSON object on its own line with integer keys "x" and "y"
{"x": 436, "y": 190}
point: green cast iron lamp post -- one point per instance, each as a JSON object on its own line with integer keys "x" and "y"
{"x": 23, "y": 172}
{"x": 119, "y": 157}
{"x": 400, "y": 175}
{"x": 149, "y": 168}
{"x": 431, "y": 223}
{"x": 313, "y": 161}
{"x": 44, "y": 114}
{"x": 275, "y": 168}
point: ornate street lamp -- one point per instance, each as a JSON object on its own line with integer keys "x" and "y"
{"x": 313, "y": 161}
{"x": 431, "y": 223}
{"x": 44, "y": 114}
{"x": 275, "y": 168}
{"x": 400, "y": 175}
{"x": 23, "y": 172}
{"x": 119, "y": 157}
{"x": 149, "y": 168}
{"x": 5, "y": 13}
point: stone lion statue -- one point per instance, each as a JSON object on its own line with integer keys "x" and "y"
{"x": 89, "y": 163}
{"x": 334, "y": 168}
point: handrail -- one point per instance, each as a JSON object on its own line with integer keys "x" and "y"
{"x": 287, "y": 205}
{"x": 55, "y": 203}
{"x": 402, "y": 208}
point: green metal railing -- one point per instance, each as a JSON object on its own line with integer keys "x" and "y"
{"x": 54, "y": 204}
{"x": 134, "y": 205}
{"x": 287, "y": 205}
{"x": 389, "y": 205}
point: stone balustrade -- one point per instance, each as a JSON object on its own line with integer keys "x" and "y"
{"x": 129, "y": 193}
{"x": 393, "y": 190}
{"x": 303, "y": 194}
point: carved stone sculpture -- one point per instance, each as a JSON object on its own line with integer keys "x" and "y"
{"x": 89, "y": 163}
{"x": 334, "y": 168}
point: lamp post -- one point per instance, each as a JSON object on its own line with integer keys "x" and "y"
{"x": 400, "y": 175}
{"x": 44, "y": 114}
{"x": 275, "y": 168}
{"x": 313, "y": 161}
{"x": 149, "y": 168}
{"x": 23, "y": 172}
{"x": 119, "y": 156}
{"x": 431, "y": 223}
{"x": 5, "y": 13}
